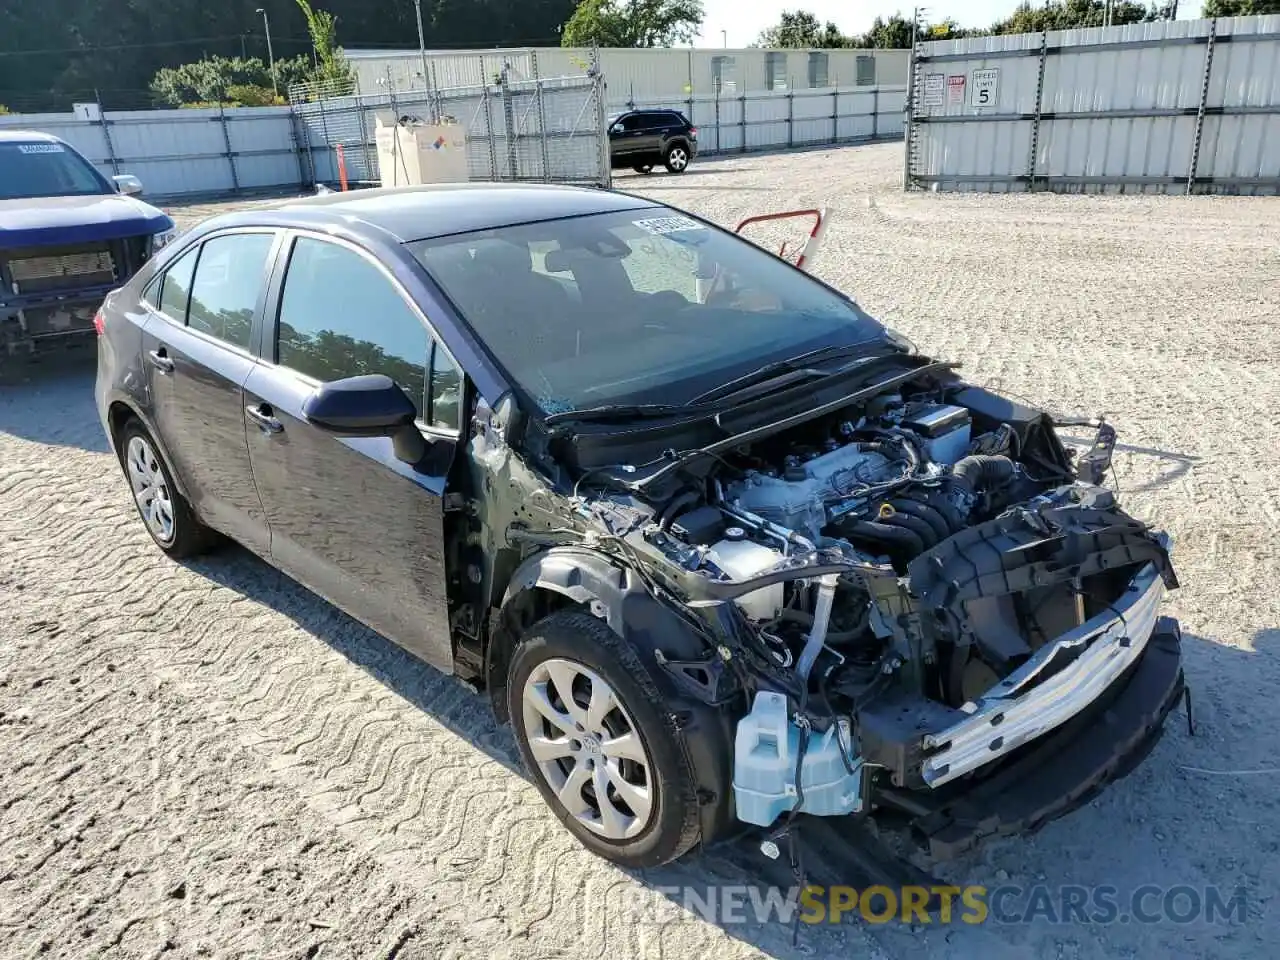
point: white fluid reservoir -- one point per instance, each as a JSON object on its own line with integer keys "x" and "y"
{"x": 742, "y": 559}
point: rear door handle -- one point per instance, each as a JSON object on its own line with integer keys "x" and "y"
{"x": 261, "y": 415}
{"x": 160, "y": 360}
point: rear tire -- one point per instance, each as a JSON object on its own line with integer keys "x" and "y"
{"x": 165, "y": 513}
{"x": 596, "y": 720}
{"x": 676, "y": 159}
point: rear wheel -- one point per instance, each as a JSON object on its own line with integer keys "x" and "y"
{"x": 164, "y": 511}
{"x": 677, "y": 158}
{"x": 601, "y": 746}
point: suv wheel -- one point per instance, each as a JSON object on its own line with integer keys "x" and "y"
{"x": 643, "y": 168}
{"x": 677, "y": 158}
{"x": 595, "y": 734}
{"x": 164, "y": 511}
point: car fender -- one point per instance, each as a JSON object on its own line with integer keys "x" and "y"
{"x": 125, "y": 400}
{"x": 616, "y": 594}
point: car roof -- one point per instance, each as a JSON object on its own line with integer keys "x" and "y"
{"x": 424, "y": 212}
{"x": 28, "y": 136}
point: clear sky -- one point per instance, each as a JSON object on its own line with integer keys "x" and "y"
{"x": 742, "y": 20}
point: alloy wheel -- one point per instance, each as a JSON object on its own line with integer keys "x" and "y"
{"x": 587, "y": 748}
{"x": 678, "y": 158}
{"x": 150, "y": 489}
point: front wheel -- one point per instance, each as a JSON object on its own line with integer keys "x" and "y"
{"x": 643, "y": 168}
{"x": 677, "y": 158}
{"x": 599, "y": 742}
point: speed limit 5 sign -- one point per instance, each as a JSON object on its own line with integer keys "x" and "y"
{"x": 983, "y": 87}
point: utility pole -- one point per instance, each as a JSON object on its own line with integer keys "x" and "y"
{"x": 724, "y": 38}
{"x": 422, "y": 42}
{"x": 266, "y": 24}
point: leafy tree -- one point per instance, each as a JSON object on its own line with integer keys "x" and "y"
{"x": 1239, "y": 8}
{"x": 213, "y": 80}
{"x": 633, "y": 23}
{"x": 1071, "y": 14}
{"x": 891, "y": 34}
{"x": 801, "y": 29}
{"x": 62, "y": 50}
{"x": 332, "y": 67}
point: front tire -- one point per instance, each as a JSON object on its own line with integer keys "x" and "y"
{"x": 165, "y": 513}
{"x": 643, "y": 168}
{"x": 597, "y": 738}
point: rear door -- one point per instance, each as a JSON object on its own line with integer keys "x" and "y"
{"x": 348, "y": 518}
{"x": 197, "y": 354}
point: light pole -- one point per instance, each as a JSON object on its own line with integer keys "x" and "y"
{"x": 266, "y": 24}
{"x": 422, "y": 43}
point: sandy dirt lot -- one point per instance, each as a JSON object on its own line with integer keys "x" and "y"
{"x": 207, "y": 761}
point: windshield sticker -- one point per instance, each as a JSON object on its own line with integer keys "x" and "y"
{"x": 40, "y": 148}
{"x": 662, "y": 225}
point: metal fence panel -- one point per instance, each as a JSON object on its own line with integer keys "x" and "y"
{"x": 536, "y": 130}
{"x": 182, "y": 153}
{"x": 1162, "y": 107}
{"x": 779, "y": 119}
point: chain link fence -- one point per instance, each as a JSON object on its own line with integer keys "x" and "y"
{"x": 543, "y": 130}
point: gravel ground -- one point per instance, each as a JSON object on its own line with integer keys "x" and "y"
{"x": 206, "y": 760}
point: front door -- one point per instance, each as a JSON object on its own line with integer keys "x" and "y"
{"x": 197, "y": 353}
{"x": 348, "y": 518}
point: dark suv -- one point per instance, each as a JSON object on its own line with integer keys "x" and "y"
{"x": 642, "y": 139}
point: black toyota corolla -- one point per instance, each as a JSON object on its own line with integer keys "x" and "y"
{"x": 722, "y": 548}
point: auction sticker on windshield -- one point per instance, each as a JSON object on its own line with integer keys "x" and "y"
{"x": 660, "y": 225}
{"x": 40, "y": 148}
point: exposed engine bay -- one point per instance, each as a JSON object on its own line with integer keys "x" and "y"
{"x": 893, "y": 575}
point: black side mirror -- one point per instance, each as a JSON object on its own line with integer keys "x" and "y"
{"x": 367, "y": 406}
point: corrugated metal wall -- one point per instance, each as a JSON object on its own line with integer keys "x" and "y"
{"x": 1164, "y": 107}
{"x": 182, "y": 152}
{"x": 765, "y": 121}
{"x": 640, "y": 74}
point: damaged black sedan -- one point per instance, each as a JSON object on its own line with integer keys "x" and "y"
{"x": 723, "y": 549}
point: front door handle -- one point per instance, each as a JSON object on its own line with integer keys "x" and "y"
{"x": 261, "y": 415}
{"x": 160, "y": 360}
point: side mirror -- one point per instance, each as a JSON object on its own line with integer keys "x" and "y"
{"x": 128, "y": 184}
{"x": 368, "y": 406}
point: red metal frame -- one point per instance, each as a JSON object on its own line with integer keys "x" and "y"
{"x": 812, "y": 242}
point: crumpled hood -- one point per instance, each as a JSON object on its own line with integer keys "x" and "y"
{"x": 49, "y": 221}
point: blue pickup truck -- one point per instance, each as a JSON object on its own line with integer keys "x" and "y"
{"x": 68, "y": 235}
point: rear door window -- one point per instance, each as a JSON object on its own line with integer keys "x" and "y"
{"x": 229, "y": 279}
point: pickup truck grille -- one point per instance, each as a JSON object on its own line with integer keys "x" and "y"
{"x": 77, "y": 268}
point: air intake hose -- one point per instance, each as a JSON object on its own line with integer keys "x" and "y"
{"x": 980, "y": 471}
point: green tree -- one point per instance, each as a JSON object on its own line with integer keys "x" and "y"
{"x": 801, "y": 29}
{"x": 332, "y": 68}
{"x": 61, "y": 50}
{"x": 633, "y": 23}
{"x": 1072, "y": 14}
{"x": 214, "y": 79}
{"x": 1239, "y": 8}
{"x": 891, "y": 34}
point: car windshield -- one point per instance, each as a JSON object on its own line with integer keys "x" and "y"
{"x": 640, "y": 306}
{"x": 45, "y": 170}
